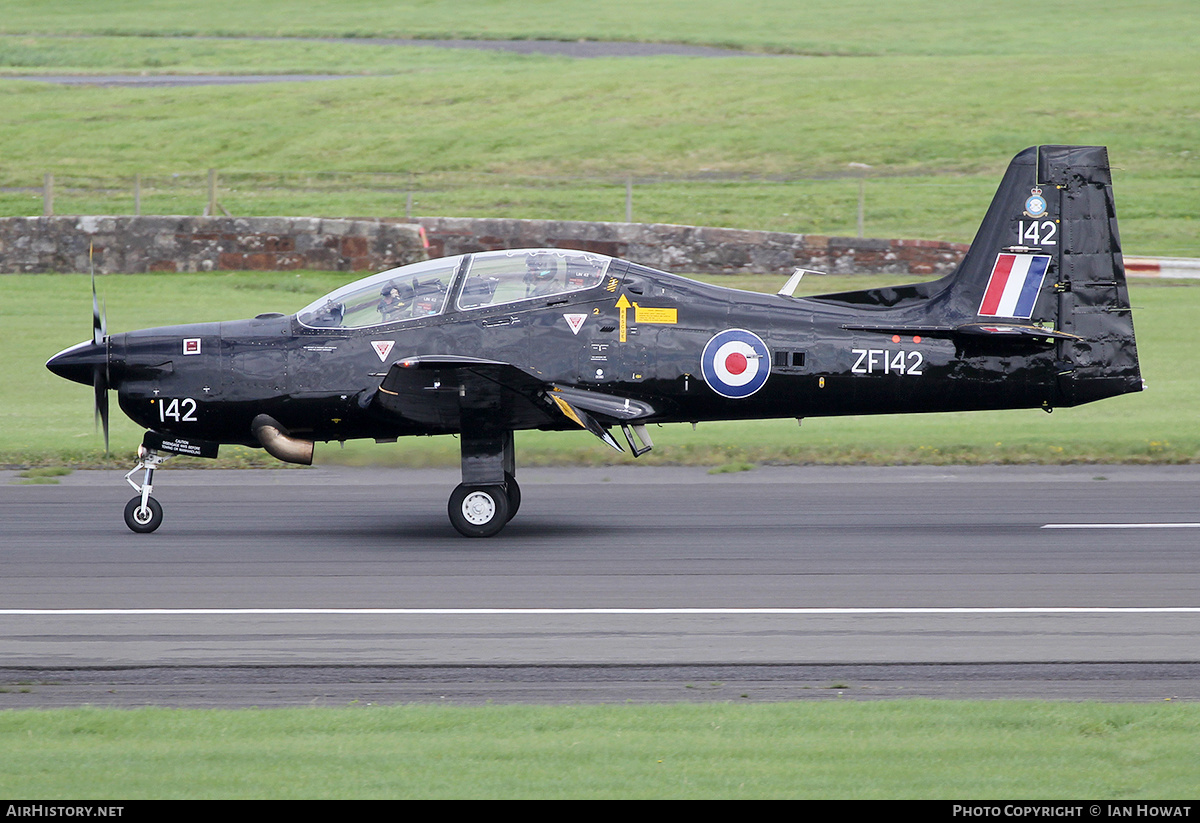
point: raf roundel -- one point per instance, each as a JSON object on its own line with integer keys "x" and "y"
{"x": 735, "y": 363}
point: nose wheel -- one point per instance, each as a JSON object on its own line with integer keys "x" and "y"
{"x": 143, "y": 517}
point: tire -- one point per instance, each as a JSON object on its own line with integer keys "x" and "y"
{"x": 478, "y": 511}
{"x": 514, "y": 494}
{"x": 143, "y": 521}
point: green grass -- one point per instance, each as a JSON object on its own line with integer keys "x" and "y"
{"x": 48, "y": 421}
{"x": 910, "y": 749}
{"x": 43, "y": 475}
{"x": 820, "y": 27}
{"x": 934, "y": 97}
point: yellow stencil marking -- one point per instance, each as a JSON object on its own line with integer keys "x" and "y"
{"x": 654, "y": 315}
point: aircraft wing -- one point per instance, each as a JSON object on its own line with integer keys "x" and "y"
{"x": 440, "y": 392}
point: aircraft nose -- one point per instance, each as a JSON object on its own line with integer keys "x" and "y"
{"x": 78, "y": 362}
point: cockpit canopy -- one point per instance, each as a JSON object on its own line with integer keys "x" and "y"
{"x": 473, "y": 281}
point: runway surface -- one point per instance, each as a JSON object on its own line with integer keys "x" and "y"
{"x": 335, "y": 585}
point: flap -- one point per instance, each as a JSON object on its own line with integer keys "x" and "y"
{"x": 433, "y": 391}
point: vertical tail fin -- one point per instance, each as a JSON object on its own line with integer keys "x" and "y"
{"x": 1048, "y": 254}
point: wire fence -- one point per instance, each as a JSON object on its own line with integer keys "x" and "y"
{"x": 852, "y": 205}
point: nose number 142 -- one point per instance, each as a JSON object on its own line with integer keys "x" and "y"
{"x": 178, "y": 410}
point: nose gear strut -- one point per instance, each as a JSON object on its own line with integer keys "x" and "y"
{"x": 144, "y": 514}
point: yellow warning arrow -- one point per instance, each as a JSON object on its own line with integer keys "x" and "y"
{"x": 623, "y": 304}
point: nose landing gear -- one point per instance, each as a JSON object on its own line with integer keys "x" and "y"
{"x": 144, "y": 514}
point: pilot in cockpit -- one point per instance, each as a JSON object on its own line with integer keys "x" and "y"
{"x": 391, "y": 306}
{"x": 540, "y": 275}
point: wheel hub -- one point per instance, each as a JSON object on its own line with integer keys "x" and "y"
{"x": 478, "y": 508}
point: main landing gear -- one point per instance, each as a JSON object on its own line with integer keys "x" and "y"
{"x": 483, "y": 510}
{"x": 489, "y": 495}
{"x": 144, "y": 514}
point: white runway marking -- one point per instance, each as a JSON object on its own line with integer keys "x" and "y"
{"x": 1121, "y": 526}
{"x": 619, "y": 611}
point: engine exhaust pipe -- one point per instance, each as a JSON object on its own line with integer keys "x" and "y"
{"x": 275, "y": 439}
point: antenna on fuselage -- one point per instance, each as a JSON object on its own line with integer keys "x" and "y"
{"x": 789, "y": 288}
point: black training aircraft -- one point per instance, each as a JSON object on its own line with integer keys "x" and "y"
{"x": 481, "y": 345}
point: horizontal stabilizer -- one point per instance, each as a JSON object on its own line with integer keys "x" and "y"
{"x": 1006, "y": 330}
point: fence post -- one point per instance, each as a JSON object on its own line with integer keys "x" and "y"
{"x": 862, "y": 196}
{"x": 862, "y": 169}
{"x": 137, "y": 194}
{"x": 629, "y": 199}
{"x": 211, "y": 209}
{"x": 48, "y": 195}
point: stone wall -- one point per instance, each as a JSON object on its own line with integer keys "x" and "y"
{"x": 696, "y": 248}
{"x": 140, "y": 244}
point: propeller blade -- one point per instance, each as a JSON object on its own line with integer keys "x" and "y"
{"x": 100, "y": 374}
{"x": 100, "y": 386}
{"x": 97, "y": 321}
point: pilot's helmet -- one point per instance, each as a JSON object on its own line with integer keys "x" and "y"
{"x": 542, "y": 268}
{"x": 390, "y": 290}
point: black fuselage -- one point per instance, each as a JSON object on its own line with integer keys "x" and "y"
{"x": 210, "y": 380}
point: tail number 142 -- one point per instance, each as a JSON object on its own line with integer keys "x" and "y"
{"x": 1038, "y": 232}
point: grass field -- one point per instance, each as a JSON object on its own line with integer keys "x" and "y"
{"x": 934, "y": 98}
{"x": 819, "y": 27}
{"x": 819, "y": 749}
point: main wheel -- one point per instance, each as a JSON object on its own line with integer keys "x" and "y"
{"x": 478, "y": 511}
{"x": 143, "y": 520}
{"x": 514, "y": 494}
